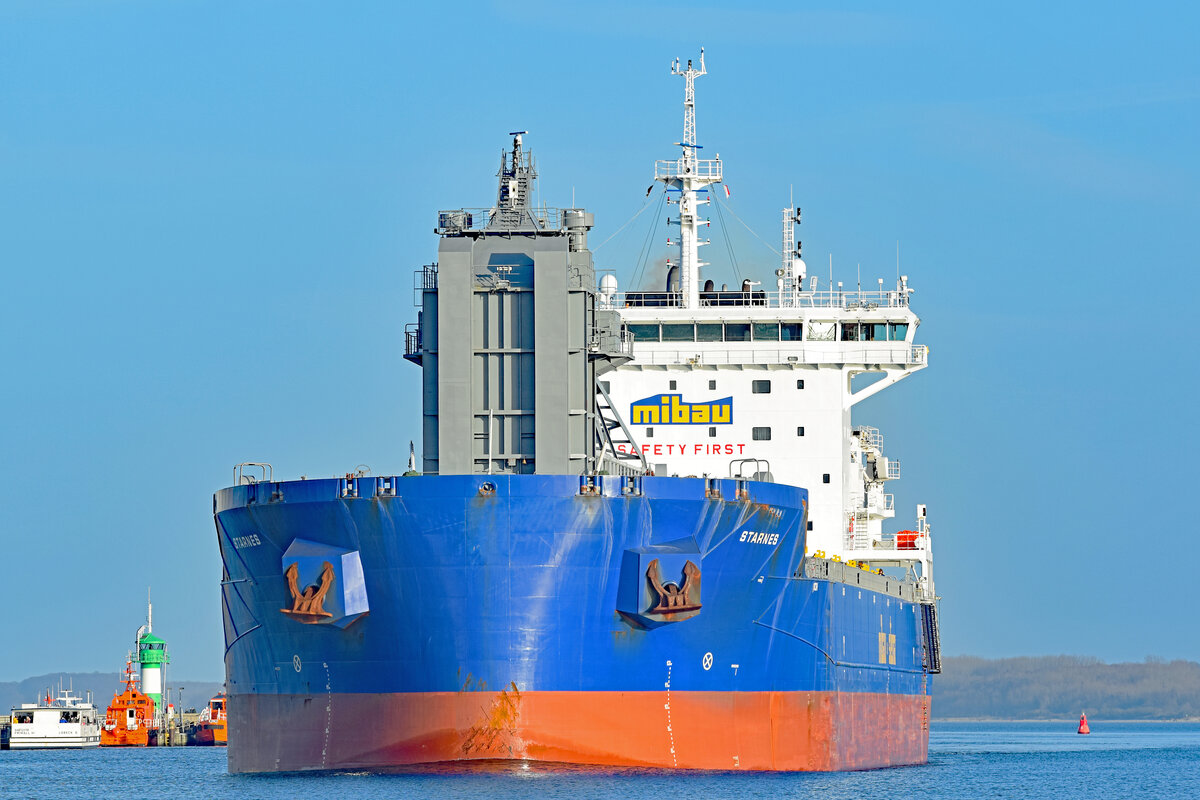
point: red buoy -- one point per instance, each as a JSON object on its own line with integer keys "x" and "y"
{"x": 1083, "y": 726}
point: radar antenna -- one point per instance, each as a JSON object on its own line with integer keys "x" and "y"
{"x": 518, "y": 176}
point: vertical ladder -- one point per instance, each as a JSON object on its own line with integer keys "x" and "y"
{"x": 932, "y": 645}
{"x": 857, "y": 535}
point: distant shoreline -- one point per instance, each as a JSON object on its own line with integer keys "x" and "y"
{"x": 1071, "y": 720}
{"x": 1049, "y": 688}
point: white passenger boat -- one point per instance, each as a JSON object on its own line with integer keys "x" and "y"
{"x": 65, "y": 721}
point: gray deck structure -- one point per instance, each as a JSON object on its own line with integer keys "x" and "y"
{"x": 511, "y": 341}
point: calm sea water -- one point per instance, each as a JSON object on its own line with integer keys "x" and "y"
{"x": 967, "y": 760}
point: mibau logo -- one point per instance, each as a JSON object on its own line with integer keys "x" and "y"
{"x": 669, "y": 409}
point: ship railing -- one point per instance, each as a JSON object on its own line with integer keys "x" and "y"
{"x": 870, "y": 436}
{"x": 836, "y": 299}
{"x": 625, "y": 341}
{"x": 428, "y": 276}
{"x": 882, "y": 354}
{"x": 613, "y": 343}
{"x": 707, "y": 169}
{"x": 926, "y": 595}
{"x": 478, "y": 219}
{"x": 424, "y": 279}
{"x": 759, "y": 469}
{"x": 412, "y": 339}
{"x": 626, "y": 468}
{"x": 244, "y": 473}
{"x": 877, "y": 503}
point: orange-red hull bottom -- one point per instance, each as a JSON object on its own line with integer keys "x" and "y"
{"x": 209, "y": 736}
{"x": 809, "y": 731}
{"x": 124, "y": 738}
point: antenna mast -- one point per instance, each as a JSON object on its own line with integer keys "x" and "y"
{"x": 792, "y": 272}
{"x": 689, "y": 176}
{"x": 689, "y": 103}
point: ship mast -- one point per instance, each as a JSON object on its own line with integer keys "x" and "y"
{"x": 791, "y": 275}
{"x": 690, "y": 176}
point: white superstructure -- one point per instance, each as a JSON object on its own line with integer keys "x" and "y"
{"x": 761, "y": 384}
{"x": 66, "y": 721}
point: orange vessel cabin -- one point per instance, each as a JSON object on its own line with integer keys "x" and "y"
{"x": 129, "y": 721}
{"x": 213, "y": 729}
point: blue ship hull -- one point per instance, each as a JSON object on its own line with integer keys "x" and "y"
{"x": 381, "y": 622}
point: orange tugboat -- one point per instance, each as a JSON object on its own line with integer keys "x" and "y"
{"x": 212, "y": 729}
{"x": 129, "y": 721}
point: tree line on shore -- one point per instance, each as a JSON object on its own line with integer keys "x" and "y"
{"x": 1059, "y": 687}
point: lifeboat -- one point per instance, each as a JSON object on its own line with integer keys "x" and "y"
{"x": 129, "y": 721}
{"x": 212, "y": 729}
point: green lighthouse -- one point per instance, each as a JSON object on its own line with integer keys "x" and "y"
{"x": 152, "y": 657}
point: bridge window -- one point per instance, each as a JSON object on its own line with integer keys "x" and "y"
{"x": 672, "y": 384}
{"x": 644, "y": 333}
{"x": 760, "y": 434}
{"x": 760, "y": 387}
{"x": 821, "y": 331}
{"x": 737, "y": 331}
{"x": 678, "y": 332}
{"x": 712, "y": 384}
{"x": 800, "y": 431}
{"x": 709, "y": 332}
{"x": 766, "y": 331}
{"x": 825, "y": 478}
{"x": 873, "y": 331}
{"x": 712, "y": 432}
{"x": 800, "y": 384}
{"x": 790, "y": 331}
{"x": 649, "y": 433}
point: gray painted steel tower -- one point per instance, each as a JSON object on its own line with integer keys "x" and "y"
{"x": 510, "y": 340}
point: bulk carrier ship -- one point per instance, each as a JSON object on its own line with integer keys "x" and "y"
{"x": 645, "y": 533}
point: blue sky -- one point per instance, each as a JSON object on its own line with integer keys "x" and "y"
{"x": 210, "y": 214}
